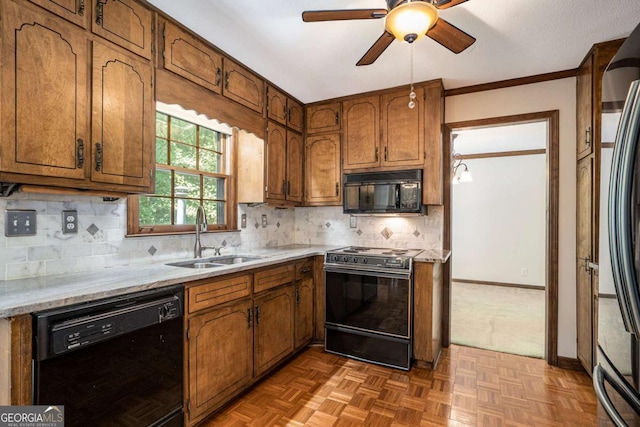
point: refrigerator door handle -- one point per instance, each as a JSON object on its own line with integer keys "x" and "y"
{"x": 600, "y": 375}
{"x": 620, "y": 205}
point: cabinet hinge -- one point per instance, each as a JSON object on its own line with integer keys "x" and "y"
{"x": 188, "y": 406}
{"x": 187, "y": 336}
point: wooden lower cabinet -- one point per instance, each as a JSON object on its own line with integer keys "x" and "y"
{"x": 232, "y": 343}
{"x": 273, "y": 330}
{"x": 427, "y": 318}
{"x": 219, "y": 358}
{"x": 303, "y": 312}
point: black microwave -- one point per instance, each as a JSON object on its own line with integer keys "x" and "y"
{"x": 396, "y": 192}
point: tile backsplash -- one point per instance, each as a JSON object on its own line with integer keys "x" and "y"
{"x": 101, "y": 242}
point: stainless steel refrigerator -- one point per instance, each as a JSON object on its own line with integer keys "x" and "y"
{"x": 616, "y": 376}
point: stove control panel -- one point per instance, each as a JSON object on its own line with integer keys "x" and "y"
{"x": 369, "y": 260}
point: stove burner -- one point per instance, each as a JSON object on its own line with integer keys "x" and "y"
{"x": 356, "y": 250}
{"x": 396, "y": 252}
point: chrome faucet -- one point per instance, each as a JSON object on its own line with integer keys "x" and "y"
{"x": 201, "y": 225}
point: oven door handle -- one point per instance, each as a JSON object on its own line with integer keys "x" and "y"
{"x": 384, "y": 274}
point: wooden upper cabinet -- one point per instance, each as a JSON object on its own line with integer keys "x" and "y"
{"x": 243, "y": 86}
{"x": 402, "y": 129}
{"x": 432, "y": 181}
{"x": 273, "y": 330}
{"x": 126, "y": 23}
{"x": 122, "y": 123}
{"x": 323, "y": 179}
{"x": 220, "y": 357}
{"x": 295, "y": 149}
{"x": 284, "y": 110}
{"x": 190, "y": 58}
{"x": 76, "y": 11}
{"x": 276, "y": 162}
{"x": 323, "y": 118}
{"x": 584, "y": 112}
{"x": 295, "y": 115}
{"x": 44, "y": 92}
{"x": 361, "y": 144}
{"x": 276, "y": 105}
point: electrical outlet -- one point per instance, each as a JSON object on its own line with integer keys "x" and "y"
{"x": 19, "y": 223}
{"x": 524, "y": 272}
{"x": 353, "y": 221}
{"x": 264, "y": 221}
{"x": 243, "y": 221}
{"x": 70, "y": 222}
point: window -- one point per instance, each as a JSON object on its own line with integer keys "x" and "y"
{"x": 192, "y": 169}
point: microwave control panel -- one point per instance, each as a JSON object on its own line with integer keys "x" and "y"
{"x": 409, "y": 196}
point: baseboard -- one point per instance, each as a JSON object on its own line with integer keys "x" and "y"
{"x": 503, "y": 284}
{"x": 570, "y": 363}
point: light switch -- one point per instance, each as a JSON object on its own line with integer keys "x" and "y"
{"x": 20, "y": 223}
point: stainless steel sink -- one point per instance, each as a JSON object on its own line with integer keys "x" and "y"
{"x": 213, "y": 262}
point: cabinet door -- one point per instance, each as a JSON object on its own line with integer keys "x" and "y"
{"x": 273, "y": 336}
{"x": 123, "y": 118}
{"x": 44, "y": 92}
{"x": 584, "y": 96}
{"x": 294, "y": 166}
{"x": 75, "y": 11}
{"x": 304, "y": 312}
{"x": 126, "y": 23}
{"x": 295, "y": 115}
{"x": 276, "y": 161}
{"x": 432, "y": 183}
{"x": 219, "y": 349}
{"x": 323, "y": 118}
{"x": 276, "y": 105}
{"x": 188, "y": 57}
{"x": 585, "y": 319}
{"x": 323, "y": 180}
{"x": 361, "y": 145}
{"x": 242, "y": 86}
{"x": 402, "y": 129}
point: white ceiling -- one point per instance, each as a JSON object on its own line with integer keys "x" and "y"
{"x": 316, "y": 61}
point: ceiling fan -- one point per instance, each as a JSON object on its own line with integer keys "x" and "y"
{"x": 398, "y": 14}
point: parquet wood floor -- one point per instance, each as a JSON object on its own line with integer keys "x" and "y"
{"x": 470, "y": 387}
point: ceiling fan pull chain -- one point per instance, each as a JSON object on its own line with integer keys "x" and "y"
{"x": 412, "y": 94}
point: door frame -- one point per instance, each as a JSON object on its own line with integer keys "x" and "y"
{"x": 552, "y": 118}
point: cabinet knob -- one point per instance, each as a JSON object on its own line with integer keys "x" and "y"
{"x": 337, "y": 118}
{"x": 305, "y": 270}
{"x": 98, "y": 156}
{"x": 337, "y": 189}
{"x": 218, "y": 76}
{"x": 257, "y": 315}
{"x": 249, "y": 318}
{"x": 81, "y": 8}
{"x": 377, "y": 154}
{"x": 297, "y": 296}
{"x": 587, "y": 136}
{"x": 99, "y": 8}
{"x": 385, "y": 154}
{"x": 226, "y": 80}
{"x": 80, "y": 151}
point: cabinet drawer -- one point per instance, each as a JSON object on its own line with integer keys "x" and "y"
{"x": 208, "y": 294}
{"x": 273, "y": 277}
{"x": 304, "y": 269}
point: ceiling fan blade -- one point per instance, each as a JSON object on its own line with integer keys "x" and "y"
{"x": 446, "y": 4}
{"x": 449, "y": 36}
{"x": 376, "y": 50}
{"x": 342, "y": 15}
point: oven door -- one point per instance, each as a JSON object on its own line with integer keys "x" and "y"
{"x": 378, "y": 302}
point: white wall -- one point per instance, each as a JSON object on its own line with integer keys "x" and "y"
{"x": 498, "y": 221}
{"x": 553, "y": 95}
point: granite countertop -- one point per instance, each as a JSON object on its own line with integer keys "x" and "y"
{"x": 29, "y": 295}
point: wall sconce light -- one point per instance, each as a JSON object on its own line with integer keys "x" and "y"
{"x": 464, "y": 176}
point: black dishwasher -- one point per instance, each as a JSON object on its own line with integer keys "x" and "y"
{"x": 113, "y": 362}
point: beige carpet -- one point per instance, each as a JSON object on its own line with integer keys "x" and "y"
{"x": 509, "y": 320}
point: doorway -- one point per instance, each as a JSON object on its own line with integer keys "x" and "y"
{"x": 543, "y": 276}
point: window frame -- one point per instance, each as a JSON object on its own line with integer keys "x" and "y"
{"x": 228, "y": 163}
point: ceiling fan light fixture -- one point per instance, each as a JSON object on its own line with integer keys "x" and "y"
{"x": 411, "y": 21}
